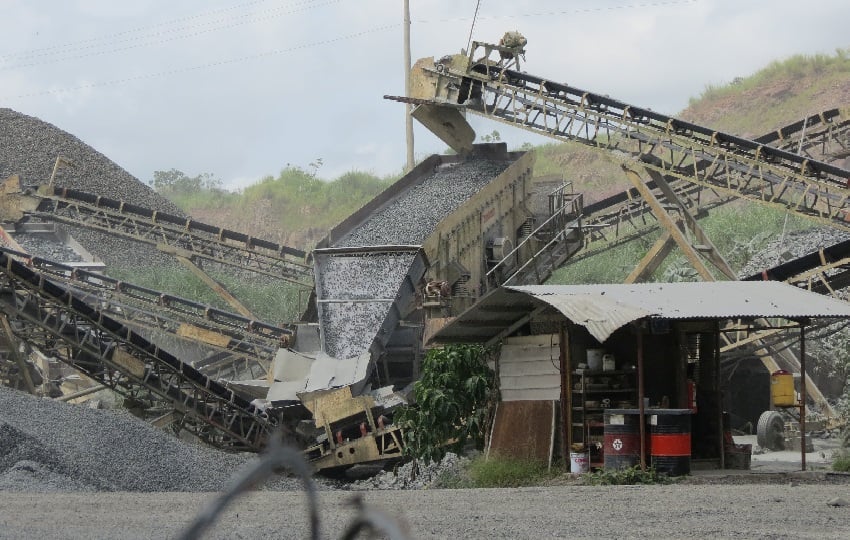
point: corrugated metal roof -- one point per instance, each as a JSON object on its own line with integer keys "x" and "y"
{"x": 604, "y": 308}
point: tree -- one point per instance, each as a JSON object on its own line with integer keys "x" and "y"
{"x": 453, "y": 398}
{"x": 175, "y": 182}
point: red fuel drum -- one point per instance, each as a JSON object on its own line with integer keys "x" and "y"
{"x": 670, "y": 440}
{"x": 621, "y": 440}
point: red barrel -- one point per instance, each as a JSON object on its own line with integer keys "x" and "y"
{"x": 621, "y": 439}
{"x": 670, "y": 440}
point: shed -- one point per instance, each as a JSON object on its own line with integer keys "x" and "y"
{"x": 661, "y": 348}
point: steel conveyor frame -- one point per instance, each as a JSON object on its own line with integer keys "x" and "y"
{"x": 173, "y": 234}
{"x": 67, "y": 328}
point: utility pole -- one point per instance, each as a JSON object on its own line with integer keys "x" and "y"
{"x": 408, "y": 120}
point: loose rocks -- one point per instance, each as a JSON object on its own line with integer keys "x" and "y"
{"x": 53, "y": 446}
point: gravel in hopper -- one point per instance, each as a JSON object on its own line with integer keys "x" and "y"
{"x": 414, "y": 215}
{"x": 48, "y": 446}
{"x": 350, "y": 327}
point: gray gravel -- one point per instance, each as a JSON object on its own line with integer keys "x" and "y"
{"x": 412, "y": 217}
{"x": 48, "y": 446}
{"x": 792, "y": 245}
{"x": 687, "y": 511}
{"x": 29, "y": 147}
{"x": 349, "y": 327}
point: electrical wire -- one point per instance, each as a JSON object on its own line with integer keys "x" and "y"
{"x": 146, "y": 40}
{"x": 139, "y": 29}
{"x": 622, "y": 7}
{"x": 199, "y": 67}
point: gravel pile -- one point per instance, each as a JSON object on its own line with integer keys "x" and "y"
{"x": 50, "y": 446}
{"x": 792, "y": 245}
{"x": 47, "y": 247}
{"x": 29, "y": 147}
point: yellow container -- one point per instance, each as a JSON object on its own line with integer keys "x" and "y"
{"x": 782, "y": 389}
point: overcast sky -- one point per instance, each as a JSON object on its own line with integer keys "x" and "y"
{"x": 240, "y": 89}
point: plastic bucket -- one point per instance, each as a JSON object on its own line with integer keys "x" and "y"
{"x": 579, "y": 462}
{"x": 594, "y": 359}
{"x": 670, "y": 440}
{"x": 621, "y": 440}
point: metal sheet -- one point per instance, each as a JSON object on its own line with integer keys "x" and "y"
{"x": 523, "y": 430}
{"x": 604, "y": 308}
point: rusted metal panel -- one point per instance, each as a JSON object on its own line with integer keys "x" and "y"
{"x": 129, "y": 363}
{"x": 523, "y": 430}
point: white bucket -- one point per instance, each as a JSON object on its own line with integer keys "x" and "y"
{"x": 594, "y": 359}
{"x": 608, "y": 363}
{"x": 579, "y": 462}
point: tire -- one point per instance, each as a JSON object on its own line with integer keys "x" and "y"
{"x": 770, "y": 433}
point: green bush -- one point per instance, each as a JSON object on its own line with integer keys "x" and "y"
{"x": 841, "y": 461}
{"x": 453, "y": 399}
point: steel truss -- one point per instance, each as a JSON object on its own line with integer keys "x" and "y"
{"x": 173, "y": 234}
{"x": 245, "y": 345}
{"x": 734, "y": 165}
{"x": 61, "y": 325}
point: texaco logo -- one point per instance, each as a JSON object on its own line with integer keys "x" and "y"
{"x": 617, "y": 444}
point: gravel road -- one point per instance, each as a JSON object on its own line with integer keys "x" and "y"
{"x": 673, "y": 511}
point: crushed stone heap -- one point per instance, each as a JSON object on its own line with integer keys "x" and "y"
{"x": 50, "y": 446}
{"x": 29, "y": 148}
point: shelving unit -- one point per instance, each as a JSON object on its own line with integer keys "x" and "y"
{"x": 591, "y": 393}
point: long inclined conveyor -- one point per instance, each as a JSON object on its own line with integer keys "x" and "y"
{"x": 625, "y": 216}
{"x": 64, "y": 326}
{"x": 170, "y": 233}
{"x": 734, "y": 166}
{"x": 247, "y": 345}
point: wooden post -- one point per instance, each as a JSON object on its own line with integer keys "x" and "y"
{"x": 566, "y": 393}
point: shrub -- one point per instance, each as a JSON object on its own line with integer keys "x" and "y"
{"x": 453, "y": 399}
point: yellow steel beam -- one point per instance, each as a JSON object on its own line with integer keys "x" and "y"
{"x": 217, "y": 287}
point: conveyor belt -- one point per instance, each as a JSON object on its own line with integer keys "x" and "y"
{"x": 823, "y": 271}
{"x": 246, "y": 345}
{"x": 736, "y": 166}
{"x": 63, "y": 326}
{"x": 179, "y": 235}
{"x": 127, "y": 295}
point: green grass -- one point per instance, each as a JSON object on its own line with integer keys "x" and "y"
{"x": 841, "y": 462}
{"x": 504, "y": 472}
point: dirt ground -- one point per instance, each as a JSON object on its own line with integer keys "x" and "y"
{"x": 772, "y": 500}
{"x": 663, "y": 511}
